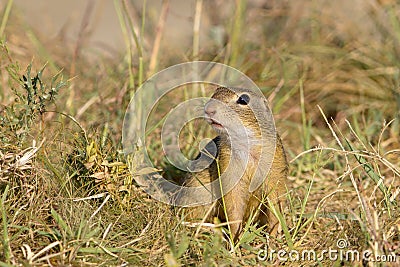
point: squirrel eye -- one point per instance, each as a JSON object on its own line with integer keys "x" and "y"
{"x": 243, "y": 99}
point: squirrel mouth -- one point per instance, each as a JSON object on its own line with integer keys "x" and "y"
{"x": 214, "y": 123}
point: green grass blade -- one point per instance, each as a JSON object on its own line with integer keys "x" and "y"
{"x": 6, "y": 240}
{"x": 372, "y": 174}
{"x": 61, "y": 223}
{"x": 4, "y": 20}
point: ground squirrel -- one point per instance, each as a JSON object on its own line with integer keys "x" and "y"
{"x": 227, "y": 110}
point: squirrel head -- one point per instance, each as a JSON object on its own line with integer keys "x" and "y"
{"x": 239, "y": 113}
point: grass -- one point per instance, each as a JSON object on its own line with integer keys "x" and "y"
{"x": 67, "y": 197}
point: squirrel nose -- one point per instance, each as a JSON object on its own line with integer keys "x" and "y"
{"x": 210, "y": 110}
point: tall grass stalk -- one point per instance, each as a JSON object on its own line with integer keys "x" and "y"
{"x": 4, "y": 20}
{"x": 196, "y": 29}
{"x": 138, "y": 40}
{"x": 157, "y": 40}
{"x": 236, "y": 43}
{"x": 125, "y": 34}
{"x": 6, "y": 239}
{"x": 303, "y": 208}
{"x": 276, "y": 212}
{"x": 231, "y": 240}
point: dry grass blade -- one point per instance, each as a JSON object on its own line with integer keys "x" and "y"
{"x": 30, "y": 256}
{"x": 157, "y": 40}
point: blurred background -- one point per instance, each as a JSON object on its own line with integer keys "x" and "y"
{"x": 66, "y": 18}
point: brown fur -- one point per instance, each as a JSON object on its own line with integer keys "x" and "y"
{"x": 239, "y": 202}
